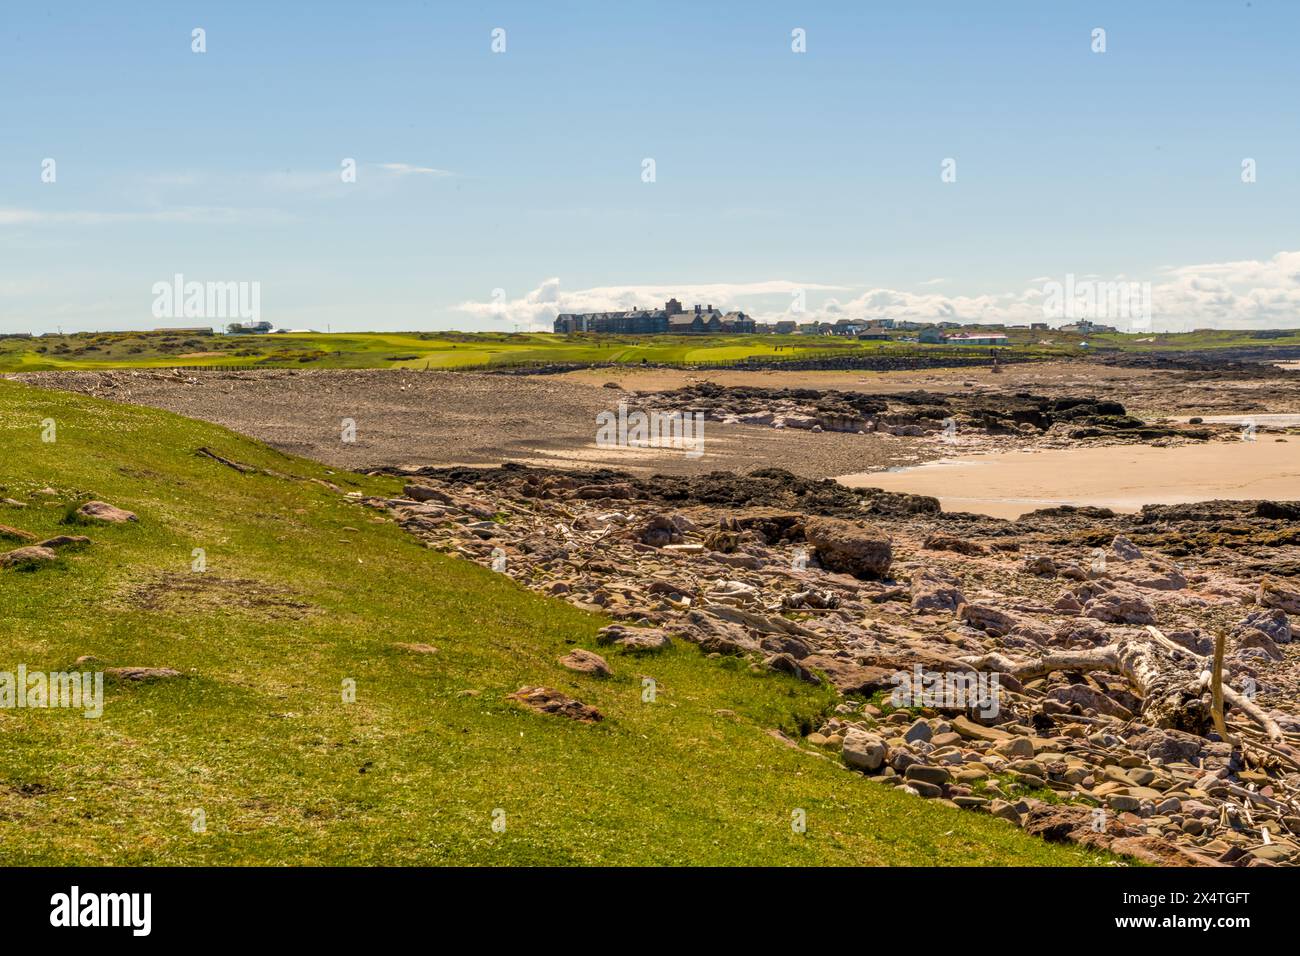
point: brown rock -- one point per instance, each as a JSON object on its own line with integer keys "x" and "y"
{"x": 546, "y": 700}
{"x": 634, "y": 638}
{"x": 948, "y": 542}
{"x": 427, "y": 493}
{"x": 1089, "y": 697}
{"x": 1121, "y": 605}
{"x": 989, "y": 619}
{"x": 25, "y": 558}
{"x": 848, "y": 546}
{"x": 786, "y": 664}
{"x": 716, "y": 636}
{"x": 585, "y": 662}
{"x": 659, "y": 530}
{"x": 848, "y": 677}
{"x": 932, "y": 592}
{"x": 1274, "y": 593}
{"x": 103, "y": 511}
{"x": 65, "y": 541}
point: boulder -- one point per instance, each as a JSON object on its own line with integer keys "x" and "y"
{"x": 547, "y": 700}
{"x": 427, "y": 493}
{"x": 646, "y": 639}
{"x": 919, "y": 730}
{"x": 848, "y": 546}
{"x": 1250, "y": 637}
{"x": 1275, "y": 593}
{"x": 585, "y": 662}
{"x": 988, "y": 619}
{"x": 716, "y": 636}
{"x": 848, "y": 677}
{"x": 863, "y": 751}
{"x": 786, "y": 664}
{"x": 103, "y": 511}
{"x": 948, "y": 542}
{"x": 659, "y": 530}
{"x": 1067, "y": 603}
{"x": 1124, "y": 549}
{"x": 1089, "y": 698}
{"x": 27, "y": 558}
{"x": 1120, "y": 605}
{"x": 1194, "y": 639}
{"x": 1272, "y": 622}
{"x": 924, "y": 773}
{"x": 932, "y": 592}
{"x": 1151, "y": 574}
{"x": 1039, "y": 564}
{"x": 15, "y": 534}
{"x": 65, "y": 541}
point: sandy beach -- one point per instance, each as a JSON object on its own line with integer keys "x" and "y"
{"x": 1007, "y": 485}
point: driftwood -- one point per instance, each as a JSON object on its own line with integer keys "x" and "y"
{"x": 1216, "y": 686}
{"x": 1175, "y": 684}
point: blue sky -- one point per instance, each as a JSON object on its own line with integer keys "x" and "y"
{"x": 521, "y": 171}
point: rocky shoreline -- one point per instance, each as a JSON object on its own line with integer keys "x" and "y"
{"x": 1016, "y": 418}
{"x": 1066, "y": 613}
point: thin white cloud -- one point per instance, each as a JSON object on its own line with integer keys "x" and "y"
{"x": 406, "y": 169}
{"x": 538, "y": 308}
{"x": 1236, "y": 294}
{"x": 10, "y": 216}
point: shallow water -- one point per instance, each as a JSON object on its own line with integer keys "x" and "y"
{"x": 1119, "y": 477}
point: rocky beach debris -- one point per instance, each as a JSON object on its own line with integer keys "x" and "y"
{"x": 1044, "y": 421}
{"x": 1003, "y": 672}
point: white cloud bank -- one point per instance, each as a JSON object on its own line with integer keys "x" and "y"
{"x": 1239, "y": 294}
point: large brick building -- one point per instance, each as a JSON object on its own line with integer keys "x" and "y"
{"x": 670, "y": 320}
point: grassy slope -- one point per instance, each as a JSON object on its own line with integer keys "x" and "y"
{"x": 453, "y": 349}
{"x": 256, "y": 733}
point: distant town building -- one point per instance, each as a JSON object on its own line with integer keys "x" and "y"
{"x": 1086, "y": 327}
{"x": 977, "y": 338}
{"x": 250, "y": 328}
{"x": 671, "y": 319}
{"x": 930, "y": 336}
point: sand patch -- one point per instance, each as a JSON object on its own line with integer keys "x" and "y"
{"x": 1122, "y": 478}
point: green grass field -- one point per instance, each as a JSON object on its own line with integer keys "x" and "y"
{"x": 440, "y": 350}
{"x": 304, "y": 590}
